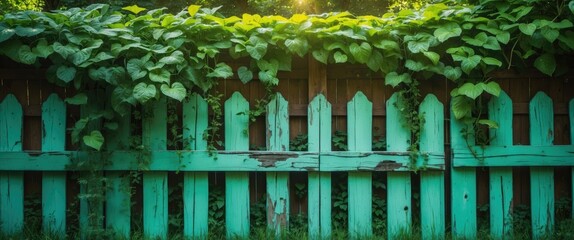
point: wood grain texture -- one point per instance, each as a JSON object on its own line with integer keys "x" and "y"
{"x": 195, "y": 184}
{"x": 432, "y": 182}
{"x": 541, "y": 178}
{"x": 571, "y": 115}
{"x": 155, "y": 191}
{"x": 11, "y": 183}
{"x": 399, "y": 207}
{"x": 236, "y": 183}
{"x": 278, "y": 203}
{"x": 54, "y": 183}
{"x": 319, "y": 197}
{"x": 463, "y": 184}
{"x": 359, "y": 129}
{"x": 500, "y": 111}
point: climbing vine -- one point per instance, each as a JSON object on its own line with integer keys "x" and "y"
{"x": 146, "y": 54}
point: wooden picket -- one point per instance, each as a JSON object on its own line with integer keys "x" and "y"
{"x": 277, "y": 161}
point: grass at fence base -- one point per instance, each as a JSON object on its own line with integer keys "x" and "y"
{"x": 564, "y": 230}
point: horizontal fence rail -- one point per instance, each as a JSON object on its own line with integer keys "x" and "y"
{"x": 236, "y": 161}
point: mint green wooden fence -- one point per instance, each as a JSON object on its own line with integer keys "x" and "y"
{"x": 319, "y": 161}
{"x": 501, "y": 155}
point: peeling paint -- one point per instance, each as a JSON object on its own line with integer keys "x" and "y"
{"x": 269, "y": 159}
{"x": 387, "y": 165}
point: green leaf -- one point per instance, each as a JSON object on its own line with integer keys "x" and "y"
{"x": 268, "y": 77}
{"x": 143, "y": 92}
{"x": 135, "y": 68}
{"x": 66, "y": 73}
{"x": 414, "y": 65}
{"x": 172, "y": 34}
{"x": 489, "y": 123}
{"x": 192, "y": 9}
{"x": 362, "y": 52}
{"x": 571, "y": 6}
{"x": 447, "y": 31}
{"x": 111, "y": 125}
{"x": 28, "y": 31}
{"x": 6, "y": 33}
{"x": 491, "y": 43}
{"x": 492, "y": 61}
{"x": 452, "y": 73}
{"x": 478, "y": 40}
{"x": 434, "y": 57}
{"x": 491, "y": 87}
{"x": 176, "y": 91}
{"x": 81, "y": 56}
{"x": 42, "y": 49}
{"x": 550, "y": 34}
{"x": 340, "y": 57}
{"x": 257, "y": 51}
{"x": 95, "y": 140}
{"x": 78, "y": 99}
{"x": 176, "y": 57}
{"x": 470, "y": 90}
{"x": 300, "y": 46}
{"x": 418, "y": 43}
{"x": 160, "y": 75}
{"x": 375, "y": 61}
{"x": 64, "y": 51}
{"x": 546, "y": 63}
{"x": 221, "y": 70}
{"x": 245, "y": 75}
{"x": 134, "y": 9}
{"x": 468, "y": 64}
{"x": 78, "y": 128}
{"x": 461, "y": 106}
{"x": 503, "y": 37}
{"x": 25, "y": 55}
{"x": 394, "y": 79}
{"x": 527, "y": 29}
{"x": 321, "y": 55}
{"x": 386, "y": 44}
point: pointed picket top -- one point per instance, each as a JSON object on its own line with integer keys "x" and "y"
{"x": 500, "y": 111}
{"x": 541, "y": 120}
{"x": 432, "y": 133}
{"x": 195, "y": 118}
{"x": 319, "y": 117}
{"x": 360, "y": 123}
{"x": 236, "y": 123}
{"x": 54, "y": 124}
{"x": 278, "y": 124}
{"x": 10, "y": 124}
{"x": 398, "y": 135}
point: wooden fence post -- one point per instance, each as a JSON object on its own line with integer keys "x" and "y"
{"x": 278, "y": 182}
{"x": 571, "y": 114}
{"x": 541, "y": 178}
{"x": 463, "y": 183}
{"x": 195, "y": 184}
{"x": 155, "y": 190}
{"x": 237, "y": 183}
{"x": 11, "y": 183}
{"x": 118, "y": 193}
{"x": 432, "y": 182}
{"x": 319, "y": 197}
{"x": 360, "y": 136}
{"x": 54, "y": 183}
{"x": 399, "y": 209}
{"x": 500, "y": 111}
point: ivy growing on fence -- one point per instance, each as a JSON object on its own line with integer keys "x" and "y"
{"x": 140, "y": 55}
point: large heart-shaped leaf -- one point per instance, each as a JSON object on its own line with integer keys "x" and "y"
{"x": 95, "y": 140}
{"x": 546, "y": 63}
{"x": 470, "y": 90}
{"x": 78, "y": 99}
{"x": 362, "y": 52}
{"x": 245, "y": 75}
{"x": 160, "y": 75}
{"x": 447, "y": 31}
{"x": 143, "y": 92}
{"x": 468, "y": 64}
{"x": 300, "y": 46}
{"x": 394, "y": 79}
{"x": 66, "y": 73}
{"x": 176, "y": 91}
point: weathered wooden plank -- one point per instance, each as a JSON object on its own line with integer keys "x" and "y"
{"x": 541, "y": 178}
{"x": 463, "y": 184}
{"x": 155, "y": 191}
{"x": 319, "y": 197}
{"x": 571, "y": 114}
{"x": 118, "y": 191}
{"x": 432, "y": 182}
{"x": 195, "y": 184}
{"x": 278, "y": 183}
{"x": 186, "y": 160}
{"x": 360, "y": 135}
{"x": 54, "y": 183}
{"x": 500, "y": 111}
{"x": 11, "y": 183}
{"x": 514, "y": 156}
{"x": 237, "y": 183}
{"x": 398, "y": 183}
